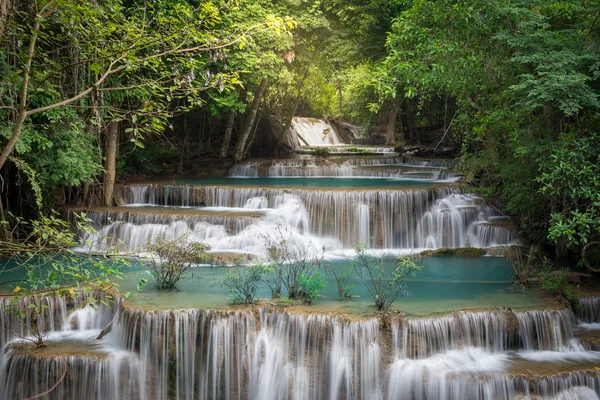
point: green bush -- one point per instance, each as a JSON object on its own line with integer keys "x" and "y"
{"x": 243, "y": 283}
{"x": 557, "y": 283}
{"x": 320, "y": 151}
{"x": 171, "y": 258}
{"x": 310, "y": 286}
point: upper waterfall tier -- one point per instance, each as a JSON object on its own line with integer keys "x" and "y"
{"x": 385, "y": 167}
{"x": 334, "y": 220}
{"x": 315, "y": 132}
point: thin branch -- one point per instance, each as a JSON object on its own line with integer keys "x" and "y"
{"x": 37, "y": 396}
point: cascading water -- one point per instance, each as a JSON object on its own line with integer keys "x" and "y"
{"x": 387, "y": 167}
{"x": 74, "y": 364}
{"x": 387, "y": 219}
{"x": 590, "y": 310}
{"x": 315, "y": 132}
{"x": 262, "y": 353}
{"x": 266, "y": 354}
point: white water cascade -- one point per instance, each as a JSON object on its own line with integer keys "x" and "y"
{"x": 267, "y": 354}
{"x": 385, "y": 219}
{"x": 315, "y": 132}
{"x": 387, "y": 167}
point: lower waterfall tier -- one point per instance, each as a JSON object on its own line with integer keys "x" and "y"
{"x": 267, "y": 354}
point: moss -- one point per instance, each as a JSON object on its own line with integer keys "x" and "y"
{"x": 460, "y": 252}
{"x": 359, "y": 150}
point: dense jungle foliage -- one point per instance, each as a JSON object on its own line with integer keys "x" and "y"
{"x": 95, "y": 91}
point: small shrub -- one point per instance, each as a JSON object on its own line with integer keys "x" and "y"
{"x": 557, "y": 283}
{"x": 292, "y": 265}
{"x": 171, "y": 258}
{"x": 384, "y": 286}
{"x": 342, "y": 279}
{"x": 359, "y": 150}
{"x": 320, "y": 151}
{"x": 243, "y": 283}
{"x": 310, "y": 286}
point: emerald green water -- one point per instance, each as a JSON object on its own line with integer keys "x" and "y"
{"x": 310, "y": 182}
{"x": 444, "y": 284}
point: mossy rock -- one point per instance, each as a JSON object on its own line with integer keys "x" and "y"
{"x": 460, "y": 252}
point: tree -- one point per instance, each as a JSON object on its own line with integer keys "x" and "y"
{"x": 520, "y": 79}
{"x": 141, "y": 63}
{"x": 384, "y": 285}
{"x": 240, "y": 149}
{"x": 571, "y": 178}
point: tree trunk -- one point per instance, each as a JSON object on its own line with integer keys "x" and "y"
{"x": 340, "y": 96}
{"x": 184, "y": 145}
{"x": 228, "y": 131}
{"x": 249, "y": 124}
{"x": 16, "y": 132}
{"x": 4, "y": 7}
{"x": 5, "y": 234}
{"x": 410, "y": 123}
{"x": 390, "y": 132}
{"x": 112, "y": 136}
{"x": 253, "y": 135}
{"x": 295, "y": 106}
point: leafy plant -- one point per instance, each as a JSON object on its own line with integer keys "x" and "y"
{"x": 527, "y": 265}
{"x": 243, "y": 283}
{"x": 359, "y": 150}
{"x": 320, "y": 151}
{"x": 292, "y": 265}
{"x": 172, "y": 258}
{"x": 310, "y": 287}
{"x": 342, "y": 278}
{"x": 384, "y": 286}
{"x": 557, "y": 283}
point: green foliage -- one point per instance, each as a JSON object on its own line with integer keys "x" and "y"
{"x": 171, "y": 258}
{"x": 557, "y": 283}
{"x": 153, "y": 160}
{"x": 385, "y": 285}
{"x": 359, "y": 150}
{"x": 342, "y": 279}
{"x": 571, "y": 176}
{"x": 522, "y": 81}
{"x": 310, "y": 286}
{"x": 243, "y": 283}
{"x": 55, "y": 155}
{"x": 458, "y": 252}
{"x": 292, "y": 267}
{"x": 320, "y": 151}
{"x": 130, "y": 63}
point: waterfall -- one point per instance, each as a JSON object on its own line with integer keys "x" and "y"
{"x": 388, "y": 167}
{"x": 590, "y": 310}
{"x": 389, "y": 219}
{"x": 363, "y": 217}
{"x": 315, "y": 132}
{"x": 422, "y": 338}
{"x": 110, "y": 376}
{"x": 132, "y": 232}
{"x": 267, "y": 354}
